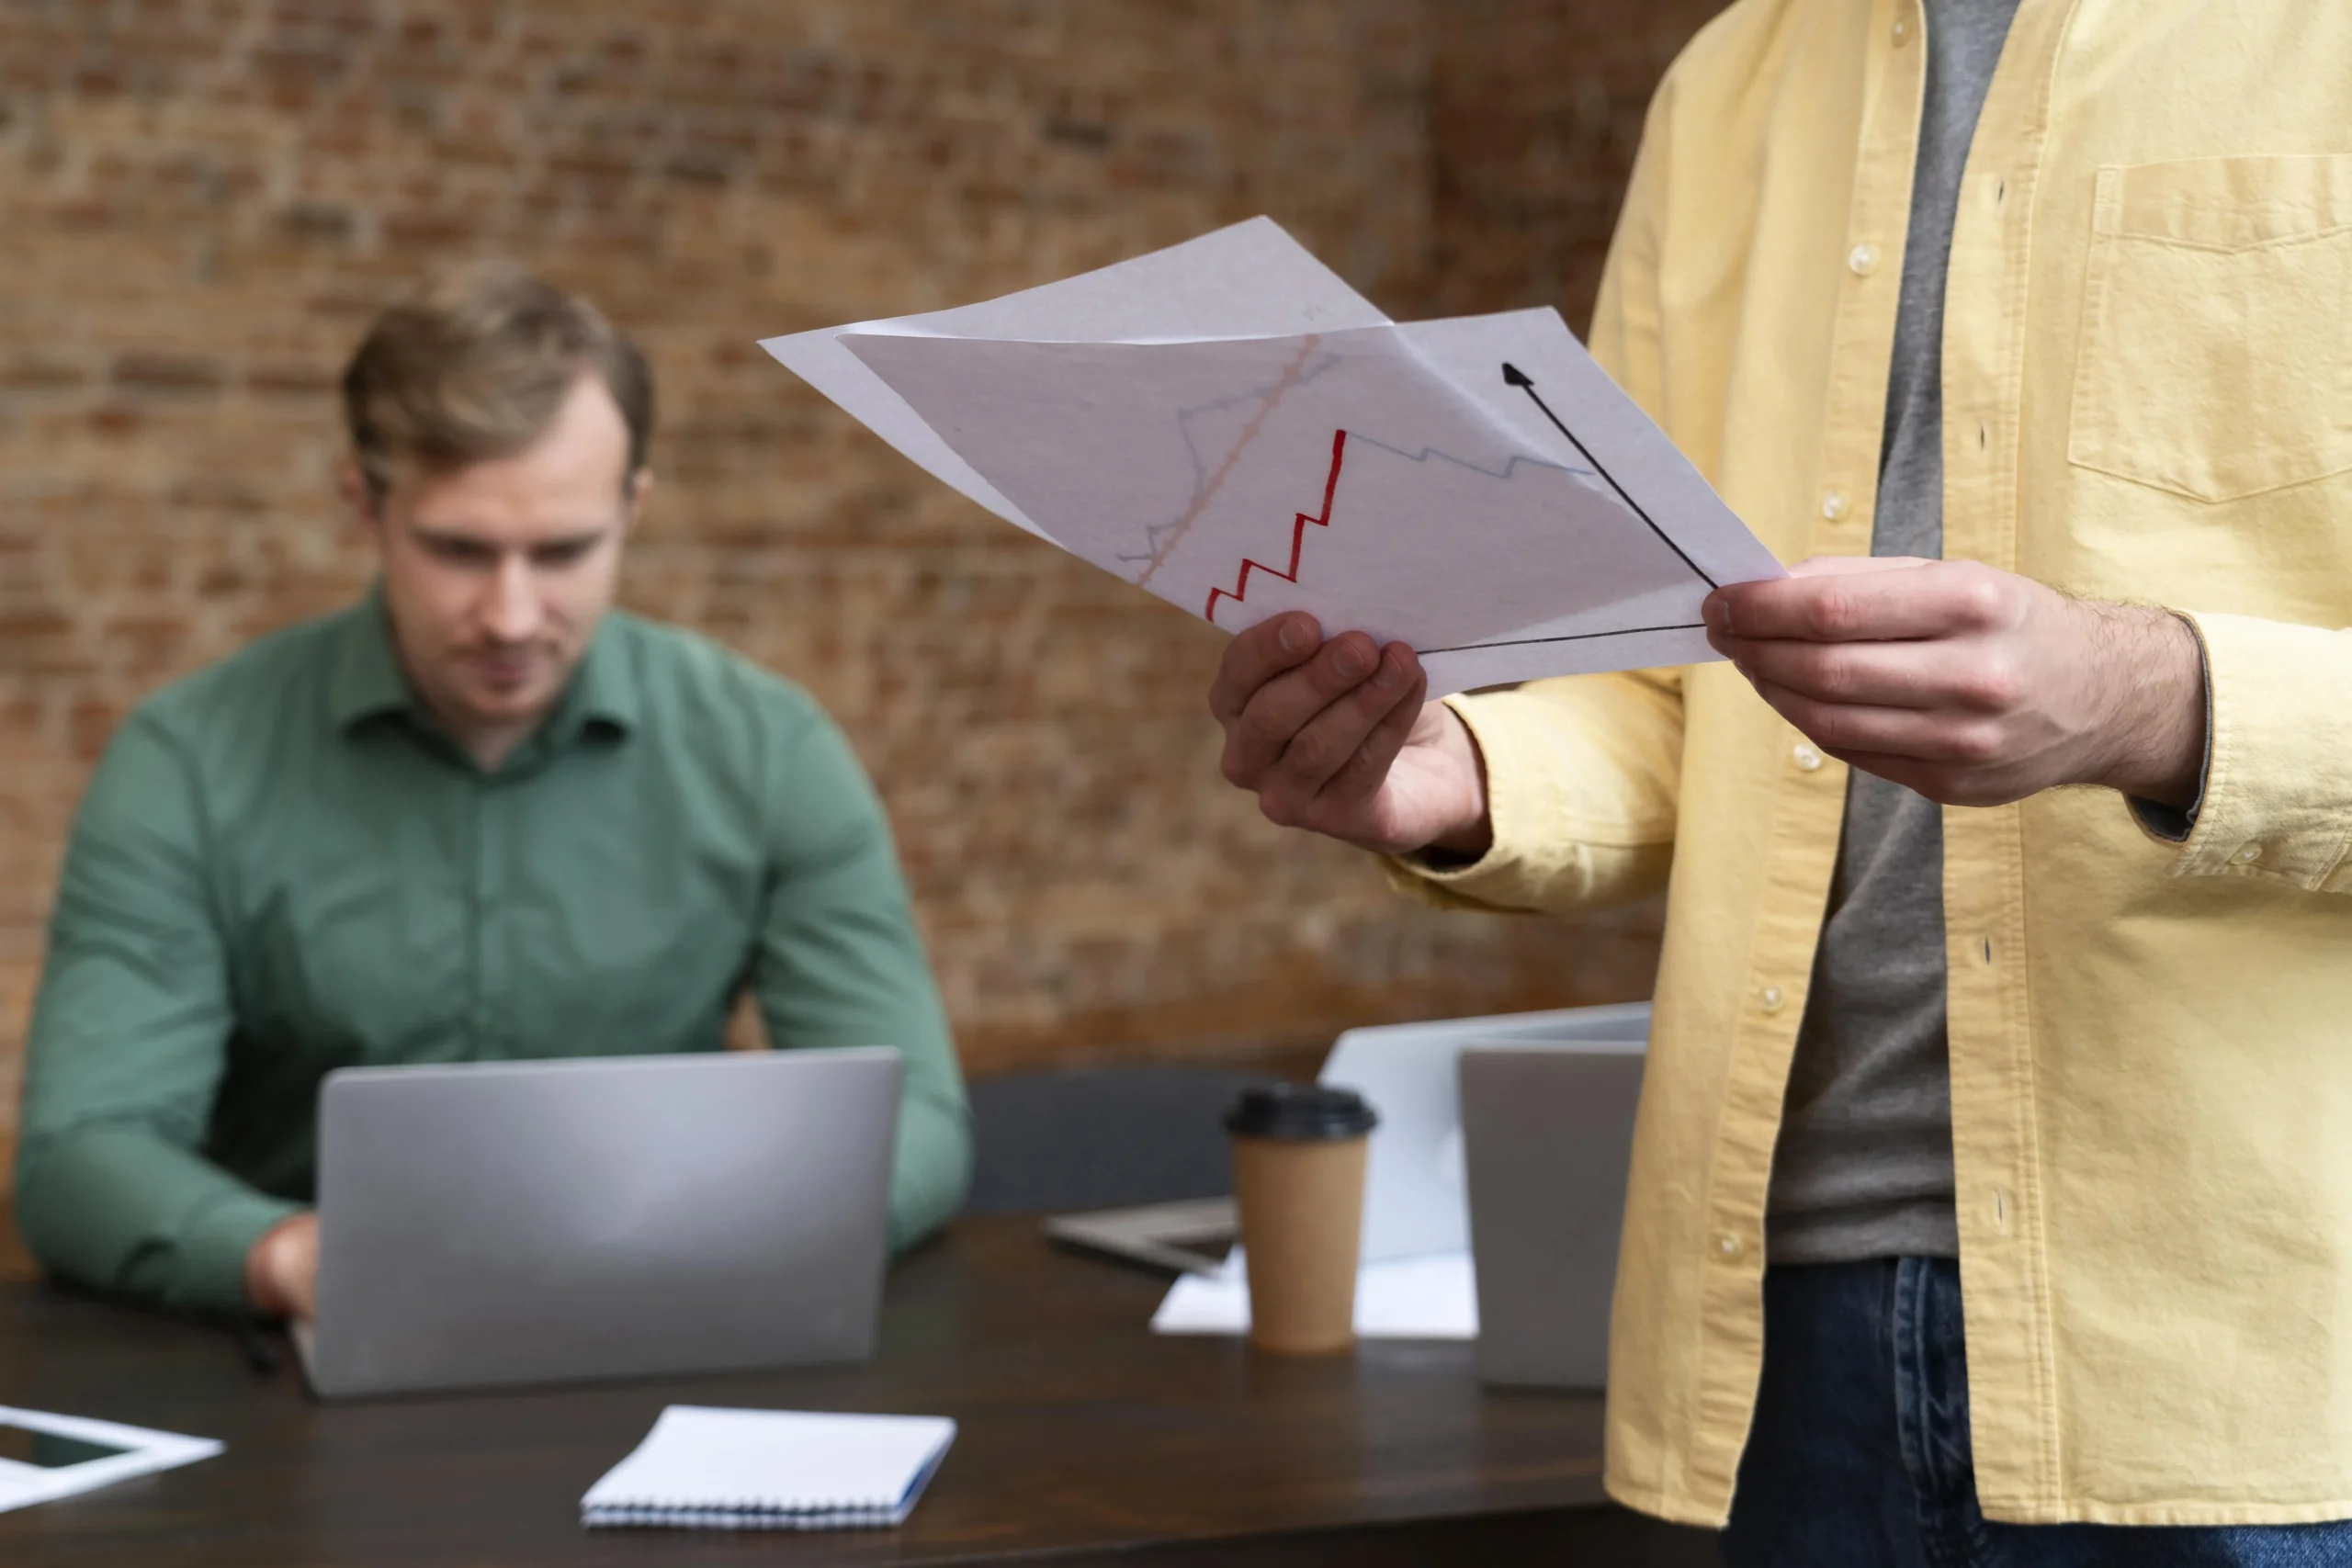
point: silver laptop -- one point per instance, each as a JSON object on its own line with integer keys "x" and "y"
{"x": 530, "y": 1221}
{"x": 1548, "y": 1133}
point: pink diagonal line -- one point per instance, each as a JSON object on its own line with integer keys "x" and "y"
{"x": 1240, "y": 589}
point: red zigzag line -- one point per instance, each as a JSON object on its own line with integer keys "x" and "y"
{"x": 1240, "y": 589}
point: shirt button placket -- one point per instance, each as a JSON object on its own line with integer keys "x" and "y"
{"x": 477, "y": 924}
{"x": 1861, "y": 260}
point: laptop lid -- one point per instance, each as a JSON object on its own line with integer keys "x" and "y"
{"x": 526, "y": 1222}
{"x": 1548, "y": 1133}
{"x": 1415, "y": 1202}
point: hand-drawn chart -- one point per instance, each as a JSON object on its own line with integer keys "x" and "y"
{"x": 1339, "y": 473}
{"x": 1475, "y": 488}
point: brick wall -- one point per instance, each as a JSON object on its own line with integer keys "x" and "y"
{"x": 204, "y": 201}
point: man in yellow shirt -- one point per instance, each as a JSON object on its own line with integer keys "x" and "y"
{"x": 1992, "y": 1187}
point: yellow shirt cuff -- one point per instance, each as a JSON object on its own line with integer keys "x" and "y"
{"x": 2277, "y": 803}
{"x": 1581, "y": 807}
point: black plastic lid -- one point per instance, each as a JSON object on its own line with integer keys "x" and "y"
{"x": 1300, "y": 1112}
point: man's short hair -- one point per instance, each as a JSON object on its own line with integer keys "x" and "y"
{"x": 475, "y": 366}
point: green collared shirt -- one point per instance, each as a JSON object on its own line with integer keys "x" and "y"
{"x": 284, "y": 866}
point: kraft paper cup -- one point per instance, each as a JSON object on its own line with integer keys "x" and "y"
{"x": 1298, "y": 1159}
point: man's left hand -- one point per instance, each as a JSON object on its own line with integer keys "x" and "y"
{"x": 282, "y": 1268}
{"x": 1973, "y": 686}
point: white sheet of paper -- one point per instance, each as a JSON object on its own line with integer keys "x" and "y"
{"x": 145, "y": 1453}
{"x": 1432, "y": 1297}
{"x": 1231, "y": 427}
{"x": 1248, "y": 281}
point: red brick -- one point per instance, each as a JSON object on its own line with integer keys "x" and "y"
{"x": 38, "y": 375}
{"x": 293, "y": 381}
{"x": 166, "y": 375}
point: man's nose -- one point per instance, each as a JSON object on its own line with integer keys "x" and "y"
{"x": 511, "y": 612}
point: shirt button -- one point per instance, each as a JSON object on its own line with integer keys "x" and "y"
{"x": 2247, "y": 855}
{"x": 1728, "y": 1245}
{"x": 1863, "y": 259}
{"x": 1808, "y": 760}
{"x": 1901, "y": 32}
{"x": 1771, "y": 998}
{"x": 1833, "y": 505}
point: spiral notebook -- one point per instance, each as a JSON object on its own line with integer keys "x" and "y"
{"x": 702, "y": 1468}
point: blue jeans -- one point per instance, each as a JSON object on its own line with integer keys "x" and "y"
{"x": 1858, "y": 1457}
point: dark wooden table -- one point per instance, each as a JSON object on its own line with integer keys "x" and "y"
{"x": 1085, "y": 1439}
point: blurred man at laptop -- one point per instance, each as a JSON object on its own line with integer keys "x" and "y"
{"x": 479, "y": 815}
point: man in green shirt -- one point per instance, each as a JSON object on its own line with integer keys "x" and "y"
{"x": 477, "y": 816}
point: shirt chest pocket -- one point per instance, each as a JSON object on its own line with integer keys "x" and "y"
{"x": 2213, "y": 360}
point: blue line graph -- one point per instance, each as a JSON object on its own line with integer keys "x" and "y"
{"x": 1517, "y": 460}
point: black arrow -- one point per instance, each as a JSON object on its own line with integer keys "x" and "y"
{"x": 1514, "y": 377}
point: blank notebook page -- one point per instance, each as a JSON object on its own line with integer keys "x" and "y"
{"x": 771, "y": 1469}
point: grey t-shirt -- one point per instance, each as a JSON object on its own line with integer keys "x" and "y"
{"x": 1864, "y": 1166}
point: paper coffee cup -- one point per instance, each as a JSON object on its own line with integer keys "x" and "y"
{"x": 1298, "y": 1158}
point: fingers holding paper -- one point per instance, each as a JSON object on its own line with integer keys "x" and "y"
{"x": 1335, "y": 737}
{"x": 1971, "y": 686}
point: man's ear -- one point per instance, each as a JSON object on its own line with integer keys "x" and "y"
{"x": 359, "y": 501}
{"x": 639, "y": 486}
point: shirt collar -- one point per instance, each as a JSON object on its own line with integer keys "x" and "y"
{"x": 603, "y": 694}
{"x": 367, "y": 681}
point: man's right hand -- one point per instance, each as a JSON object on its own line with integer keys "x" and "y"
{"x": 1333, "y": 737}
{"x": 282, "y": 1268}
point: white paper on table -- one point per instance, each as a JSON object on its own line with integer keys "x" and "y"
{"x": 1248, "y": 281}
{"x": 1432, "y": 1297}
{"x": 1228, "y": 425}
{"x": 144, "y": 1453}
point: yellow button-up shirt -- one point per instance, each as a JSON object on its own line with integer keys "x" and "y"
{"x": 2147, "y": 396}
